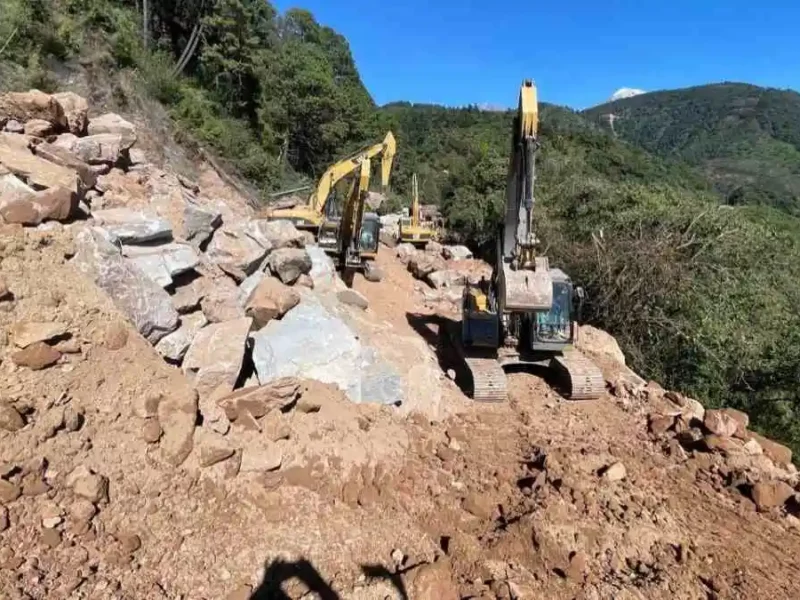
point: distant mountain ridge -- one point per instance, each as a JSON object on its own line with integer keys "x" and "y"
{"x": 745, "y": 138}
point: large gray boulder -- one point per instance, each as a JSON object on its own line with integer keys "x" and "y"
{"x": 131, "y": 226}
{"x": 289, "y": 263}
{"x": 112, "y": 123}
{"x": 456, "y": 252}
{"x": 104, "y": 148}
{"x": 279, "y": 234}
{"x": 310, "y": 342}
{"x": 215, "y": 357}
{"x": 199, "y": 223}
{"x": 137, "y": 296}
{"x": 233, "y": 248}
{"x": 446, "y": 278}
{"x": 162, "y": 262}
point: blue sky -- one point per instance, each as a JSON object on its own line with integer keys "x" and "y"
{"x": 579, "y": 52}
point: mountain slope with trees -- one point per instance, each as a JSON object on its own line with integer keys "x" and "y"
{"x": 702, "y": 297}
{"x": 745, "y": 138}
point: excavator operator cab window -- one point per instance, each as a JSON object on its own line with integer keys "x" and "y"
{"x": 555, "y": 325}
{"x": 370, "y": 230}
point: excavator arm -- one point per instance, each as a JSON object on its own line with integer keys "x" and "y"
{"x": 414, "y": 201}
{"x": 336, "y": 172}
{"x": 524, "y": 281}
{"x": 312, "y": 214}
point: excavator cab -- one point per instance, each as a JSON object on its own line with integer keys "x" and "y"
{"x": 370, "y": 235}
{"x": 555, "y": 329}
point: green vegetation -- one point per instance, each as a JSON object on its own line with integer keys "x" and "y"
{"x": 702, "y": 297}
{"x": 745, "y": 138}
{"x": 272, "y": 94}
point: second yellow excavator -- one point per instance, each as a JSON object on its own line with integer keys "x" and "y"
{"x": 413, "y": 229}
{"x": 311, "y": 216}
{"x": 352, "y": 236}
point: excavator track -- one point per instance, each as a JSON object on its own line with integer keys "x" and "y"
{"x": 582, "y": 379}
{"x": 488, "y": 380}
{"x": 488, "y": 377}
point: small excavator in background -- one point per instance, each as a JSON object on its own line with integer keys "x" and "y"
{"x": 523, "y": 315}
{"x": 351, "y": 236}
{"x": 413, "y": 229}
{"x": 311, "y": 215}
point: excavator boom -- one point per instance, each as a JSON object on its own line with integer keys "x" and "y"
{"x": 311, "y": 215}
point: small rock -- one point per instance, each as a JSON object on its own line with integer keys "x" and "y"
{"x": 479, "y": 505}
{"x": 82, "y": 511}
{"x": 616, "y": 472}
{"x": 146, "y": 406}
{"x": 769, "y": 494}
{"x": 456, "y": 252}
{"x": 151, "y": 431}
{"x": 398, "y": 557}
{"x": 660, "y": 424}
{"x": 36, "y": 357}
{"x": 87, "y": 484}
{"x": 307, "y": 405}
{"x": 3, "y": 518}
{"x": 742, "y": 420}
{"x": 353, "y": 298}
{"x": 718, "y": 422}
{"x": 112, "y": 123}
{"x": 177, "y": 416}
{"x": 10, "y": 419}
{"x": 51, "y": 522}
{"x": 9, "y": 491}
{"x": 14, "y": 126}
{"x": 27, "y": 333}
{"x": 213, "y": 453}
{"x": 261, "y": 455}
{"x": 433, "y": 581}
{"x": 130, "y": 542}
{"x": 116, "y": 336}
{"x": 451, "y": 374}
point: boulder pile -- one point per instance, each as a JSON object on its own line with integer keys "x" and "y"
{"x": 445, "y": 270}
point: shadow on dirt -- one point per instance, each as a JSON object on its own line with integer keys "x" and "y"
{"x": 279, "y": 572}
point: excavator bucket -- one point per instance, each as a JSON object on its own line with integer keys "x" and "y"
{"x": 527, "y": 289}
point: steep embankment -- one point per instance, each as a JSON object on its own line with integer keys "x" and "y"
{"x": 145, "y": 453}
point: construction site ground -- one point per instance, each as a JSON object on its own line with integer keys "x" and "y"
{"x": 465, "y": 500}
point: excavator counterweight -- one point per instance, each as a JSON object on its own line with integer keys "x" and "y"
{"x": 524, "y": 314}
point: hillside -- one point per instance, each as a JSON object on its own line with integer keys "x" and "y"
{"x": 701, "y": 298}
{"x": 745, "y": 138}
{"x": 194, "y": 405}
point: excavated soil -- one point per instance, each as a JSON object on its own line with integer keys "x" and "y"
{"x": 513, "y": 500}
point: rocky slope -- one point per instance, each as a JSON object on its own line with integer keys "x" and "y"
{"x": 194, "y": 406}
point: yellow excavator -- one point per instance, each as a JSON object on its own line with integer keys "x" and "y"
{"x": 413, "y": 229}
{"x": 311, "y": 216}
{"x": 524, "y": 314}
{"x": 351, "y": 237}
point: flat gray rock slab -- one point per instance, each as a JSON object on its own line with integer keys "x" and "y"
{"x": 138, "y": 297}
{"x": 162, "y": 262}
{"x": 199, "y": 223}
{"x": 132, "y": 227}
{"x": 234, "y": 247}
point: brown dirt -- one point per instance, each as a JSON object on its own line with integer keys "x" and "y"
{"x": 508, "y": 500}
